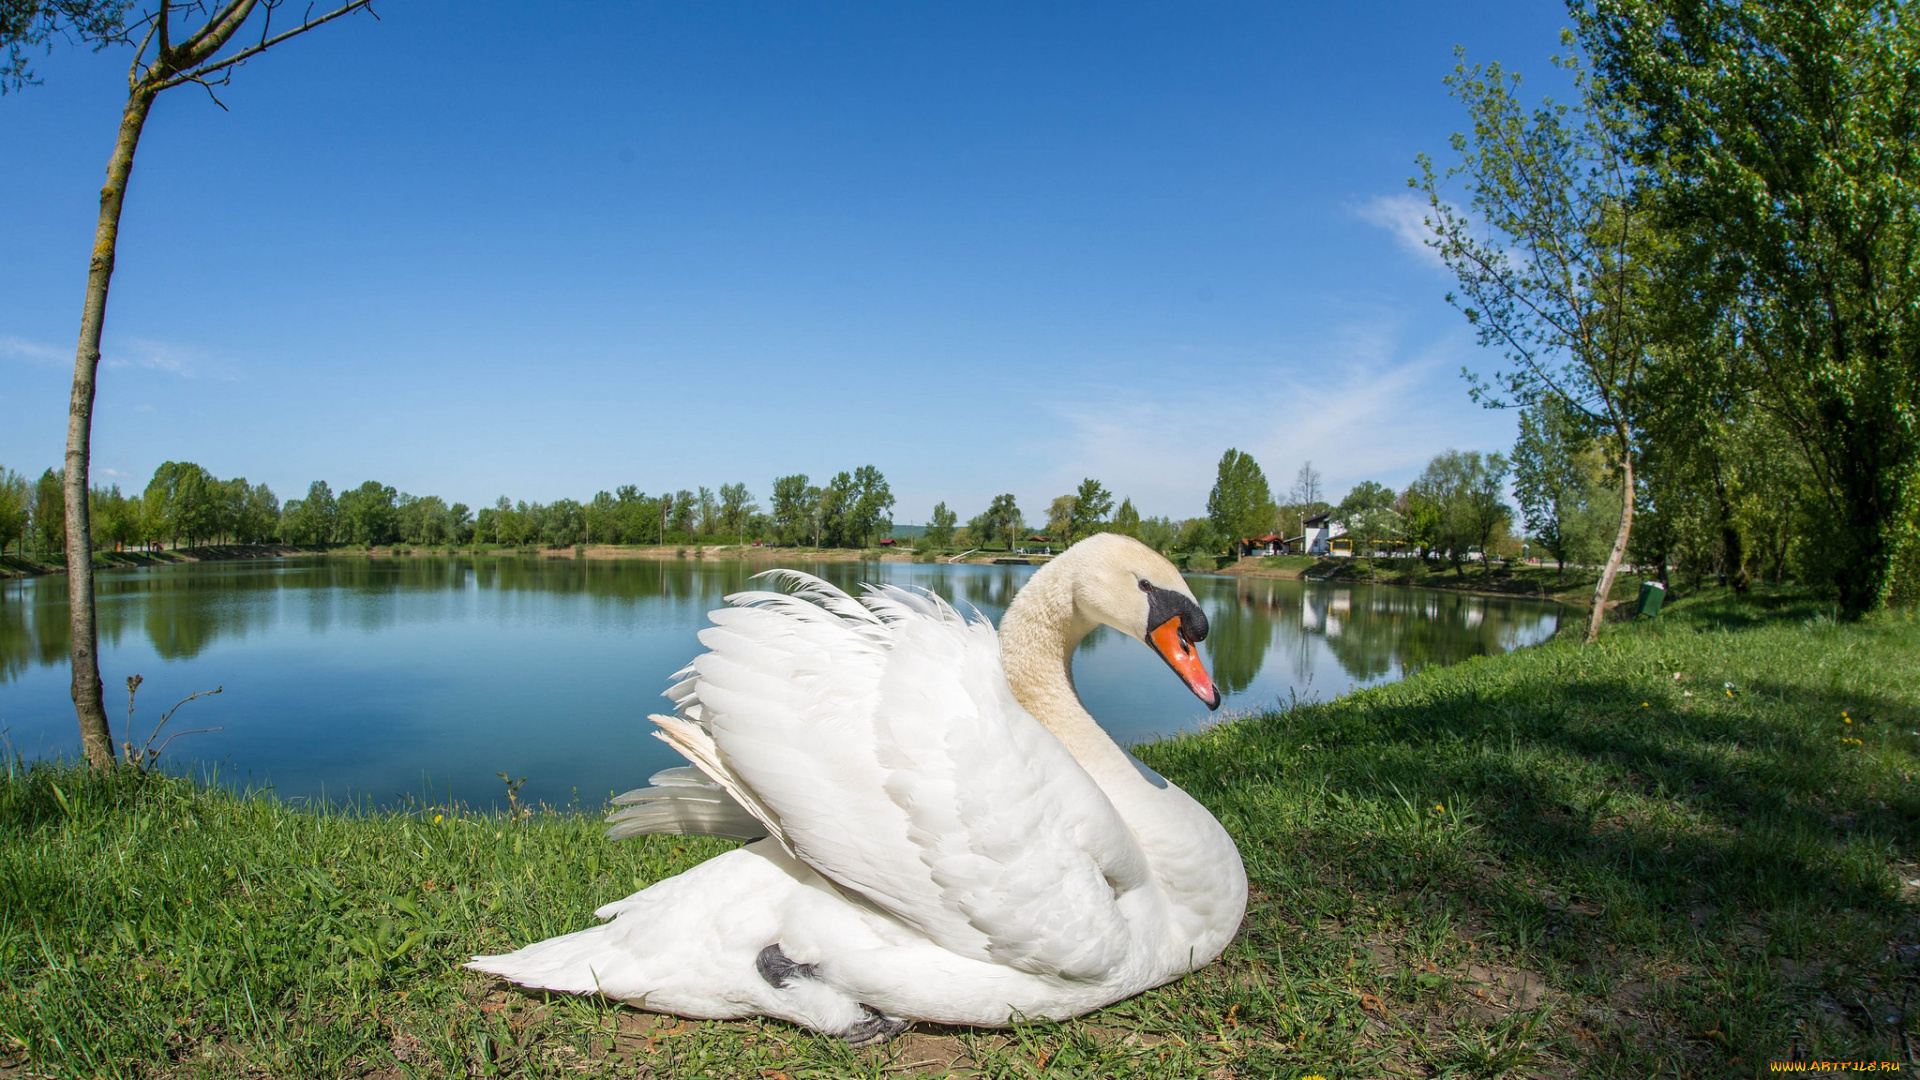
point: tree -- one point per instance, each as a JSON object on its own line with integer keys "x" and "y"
{"x": 311, "y": 520}
{"x": 1559, "y": 478}
{"x": 1060, "y": 519}
{"x": 564, "y": 523}
{"x": 369, "y": 514}
{"x": 49, "y": 515}
{"x": 869, "y": 504}
{"x": 682, "y": 511}
{"x": 1240, "y": 504}
{"x": 117, "y": 518}
{"x": 258, "y": 514}
{"x": 180, "y": 502}
{"x": 1369, "y": 517}
{"x": 830, "y": 511}
{"x": 1091, "y": 505}
{"x": 460, "y": 523}
{"x": 1551, "y": 258}
{"x": 1784, "y": 137}
{"x": 1126, "y": 520}
{"x": 737, "y": 509}
{"x": 16, "y": 509}
{"x": 795, "y": 502}
{"x": 1002, "y": 518}
{"x": 939, "y": 532}
{"x": 184, "y": 54}
{"x": 706, "y": 511}
{"x": 1308, "y": 491}
{"x": 1157, "y": 533}
{"x": 1458, "y": 498}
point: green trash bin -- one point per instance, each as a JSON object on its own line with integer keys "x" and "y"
{"x": 1652, "y": 595}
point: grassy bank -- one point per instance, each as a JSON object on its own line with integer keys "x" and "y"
{"x": 1684, "y": 852}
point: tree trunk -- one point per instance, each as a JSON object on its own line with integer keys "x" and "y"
{"x": 1733, "y": 550}
{"x": 1605, "y": 588}
{"x": 96, "y": 740}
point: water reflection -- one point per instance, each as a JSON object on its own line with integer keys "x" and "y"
{"x": 382, "y": 676}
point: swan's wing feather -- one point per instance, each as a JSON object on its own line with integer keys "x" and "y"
{"x": 682, "y": 801}
{"x": 1012, "y": 830}
{"x": 885, "y": 750}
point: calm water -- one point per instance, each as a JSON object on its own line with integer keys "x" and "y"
{"x": 425, "y": 676}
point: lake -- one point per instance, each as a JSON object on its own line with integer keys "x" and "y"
{"x": 425, "y": 676}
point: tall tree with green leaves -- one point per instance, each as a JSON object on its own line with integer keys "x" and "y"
{"x": 939, "y": 532}
{"x": 49, "y": 515}
{"x": 1463, "y": 492}
{"x": 16, "y": 509}
{"x": 192, "y": 44}
{"x": 1240, "y": 504}
{"x": 1002, "y": 521}
{"x": 736, "y": 510}
{"x": 1368, "y": 515}
{"x": 1092, "y": 502}
{"x": 1552, "y": 254}
{"x": 1784, "y": 136}
{"x": 795, "y": 502}
{"x": 1126, "y": 520}
{"x": 1059, "y": 527}
{"x": 369, "y": 514}
{"x": 1558, "y": 475}
{"x": 870, "y": 505}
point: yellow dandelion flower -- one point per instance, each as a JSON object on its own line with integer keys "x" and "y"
{"x": 438, "y": 818}
{"x": 1438, "y": 809}
{"x": 1846, "y": 718}
{"x": 1646, "y": 704}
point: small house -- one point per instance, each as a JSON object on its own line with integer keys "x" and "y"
{"x": 1268, "y": 544}
{"x": 1318, "y": 534}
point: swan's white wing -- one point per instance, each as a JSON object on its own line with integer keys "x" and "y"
{"x": 881, "y": 745}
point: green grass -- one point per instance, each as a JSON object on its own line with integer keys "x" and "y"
{"x": 1564, "y": 861}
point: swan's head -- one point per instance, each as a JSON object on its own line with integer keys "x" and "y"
{"x": 1125, "y": 584}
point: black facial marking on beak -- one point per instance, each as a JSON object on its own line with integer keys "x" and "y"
{"x": 1164, "y": 604}
{"x": 1174, "y": 623}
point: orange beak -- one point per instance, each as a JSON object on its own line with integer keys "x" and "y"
{"x": 1184, "y": 659}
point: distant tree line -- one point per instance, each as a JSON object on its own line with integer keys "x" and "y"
{"x": 184, "y": 505}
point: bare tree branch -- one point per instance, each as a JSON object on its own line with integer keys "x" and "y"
{"x": 200, "y": 73}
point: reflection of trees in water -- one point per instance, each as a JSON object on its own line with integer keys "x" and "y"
{"x": 1411, "y": 629}
{"x": 182, "y": 610}
{"x": 1372, "y": 631}
{"x": 1242, "y": 618}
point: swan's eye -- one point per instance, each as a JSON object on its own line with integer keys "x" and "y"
{"x": 1145, "y": 585}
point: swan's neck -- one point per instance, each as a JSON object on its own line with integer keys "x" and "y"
{"x": 1038, "y": 635}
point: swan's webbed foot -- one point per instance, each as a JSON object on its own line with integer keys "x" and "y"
{"x": 873, "y": 1029}
{"x": 779, "y": 969}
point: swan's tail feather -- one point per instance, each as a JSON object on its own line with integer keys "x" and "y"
{"x": 682, "y": 801}
{"x": 584, "y": 962}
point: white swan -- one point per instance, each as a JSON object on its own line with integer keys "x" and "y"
{"x": 945, "y": 833}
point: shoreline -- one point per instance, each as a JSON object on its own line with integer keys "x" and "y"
{"x": 14, "y": 566}
{"x": 1573, "y": 593}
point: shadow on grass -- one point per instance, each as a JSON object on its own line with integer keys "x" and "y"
{"x": 1708, "y": 871}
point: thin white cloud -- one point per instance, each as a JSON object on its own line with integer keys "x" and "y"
{"x": 1364, "y": 407}
{"x": 1405, "y": 216}
{"x": 166, "y": 358}
{"x": 22, "y": 349}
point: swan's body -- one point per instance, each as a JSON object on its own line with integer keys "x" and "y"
{"x": 948, "y": 835}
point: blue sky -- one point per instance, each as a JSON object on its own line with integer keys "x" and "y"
{"x": 475, "y": 249}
